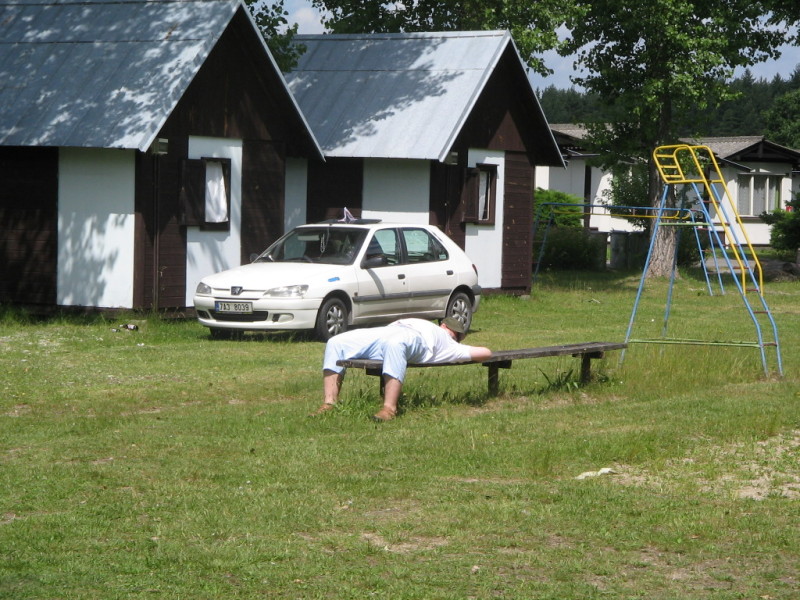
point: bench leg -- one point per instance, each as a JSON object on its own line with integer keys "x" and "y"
{"x": 586, "y": 368}
{"x": 494, "y": 380}
{"x": 586, "y": 364}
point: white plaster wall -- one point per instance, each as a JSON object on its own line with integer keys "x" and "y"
{"x": 756, "y": 232}
{"x": 397, "y": 190}
{"x": 602, "y": 219}
{"x": 295, "y": 203}
{"x": 571, "y": 181}
{"x": 96, "y": 227}
{"x": 484, "y": 243}
{"x": 208, "y": 252}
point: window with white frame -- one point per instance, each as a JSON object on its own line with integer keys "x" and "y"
{"x": 205, "y": 195}
{"x": 758, "y": 193}
{"x": 481, "y": 193}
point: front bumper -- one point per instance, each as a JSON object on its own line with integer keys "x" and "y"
{"x": 268, "y": 314}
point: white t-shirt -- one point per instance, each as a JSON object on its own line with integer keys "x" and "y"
{"x": 440, "y": 347}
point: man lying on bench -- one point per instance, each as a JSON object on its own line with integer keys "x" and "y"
{"x": 402, "y": 342}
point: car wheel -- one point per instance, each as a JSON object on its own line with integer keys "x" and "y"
{"x": 331, "y": 319}
{"x": 460, "y": 307}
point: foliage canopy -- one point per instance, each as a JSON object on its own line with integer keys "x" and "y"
{"x": 279, "y": 35}
{"x": 782, "y": 120}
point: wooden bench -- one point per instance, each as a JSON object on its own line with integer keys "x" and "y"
{"x": 502, "y": 359}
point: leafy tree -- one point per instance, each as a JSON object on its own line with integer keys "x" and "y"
{"x": 783, "y": 120}
{"x": 569, "y": 214}
{"x": 654, "y": 62}
{"x": 271, "y": 21}
{"x": 533, "y": 25}
{"x": 744, "y": 114}
{"x": 569, "y": 106}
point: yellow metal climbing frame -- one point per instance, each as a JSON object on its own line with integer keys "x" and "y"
{"x": 697, "y": 165}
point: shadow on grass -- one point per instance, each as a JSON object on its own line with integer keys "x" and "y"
{"x": 596, "y": 280}
{"x": 563, "y": 381}
{"x": 613, "y": 280}
{"x": 282, "y": 337}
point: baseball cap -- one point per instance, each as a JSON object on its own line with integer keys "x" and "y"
{"x": 455, "y": 326}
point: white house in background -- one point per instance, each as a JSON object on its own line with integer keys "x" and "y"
{"x": 435, "y": 128}
{"x": 760, "y": 176}
{"x": 135, "y": 153}
{"x": 581, "y": 179}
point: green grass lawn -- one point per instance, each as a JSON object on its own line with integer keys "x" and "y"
{"x": 161, "y": 464}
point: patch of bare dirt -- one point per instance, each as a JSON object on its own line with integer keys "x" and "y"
{"x": 756, "y": 471}
{"x": 413, "y": 544}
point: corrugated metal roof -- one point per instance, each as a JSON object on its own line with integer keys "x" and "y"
{"x": 725, "y": 147}
{"x": 394, "y": 95}
{"x": 746, "y": 148}
{"x": 573, "y": 130}
{"x": 100, "y": 73}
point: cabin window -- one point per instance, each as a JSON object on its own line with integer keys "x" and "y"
{"x": 206, "y": 193}
{"x": 481, "y": 194}
{"x": 758, "y": 194}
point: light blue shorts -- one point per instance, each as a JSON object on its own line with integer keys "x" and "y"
{"x": 395, "y": 346}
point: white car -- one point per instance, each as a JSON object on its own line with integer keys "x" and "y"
{"x": 330, "y": 276}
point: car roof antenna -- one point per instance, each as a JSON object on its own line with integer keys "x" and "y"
{"x": 348, "y": 217}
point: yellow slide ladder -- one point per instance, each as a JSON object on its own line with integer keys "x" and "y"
{"x": 697, "y": 166}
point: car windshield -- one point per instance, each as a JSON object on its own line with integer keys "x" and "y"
{"x": 327, "y": 245}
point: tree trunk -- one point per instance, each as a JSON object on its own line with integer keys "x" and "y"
{"x": 664, "y": 247}
{"x": 661, "y": 261}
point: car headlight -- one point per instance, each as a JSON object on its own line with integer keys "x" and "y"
{"x": 203, "y": 288}
{"x": 287, "y": 291}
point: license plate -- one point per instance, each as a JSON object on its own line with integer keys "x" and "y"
{"x": 244, "y": 308}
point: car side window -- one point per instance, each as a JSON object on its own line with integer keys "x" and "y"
{"x": 384, "y": 245}
{"x": 421, "y": 246}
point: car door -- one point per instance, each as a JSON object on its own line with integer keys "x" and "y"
{"x": 429, "y": 272}
{"x": 382, "y": 282}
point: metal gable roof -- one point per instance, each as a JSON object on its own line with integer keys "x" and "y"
{"x": 100, "y": 73}
{"x": 393, "y": 95}
{"x": 747, "y": 149}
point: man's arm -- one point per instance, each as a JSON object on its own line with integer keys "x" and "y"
{"x": 479, "y": 353}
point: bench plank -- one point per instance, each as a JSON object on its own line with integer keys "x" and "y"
{"x": 502, "y": 359}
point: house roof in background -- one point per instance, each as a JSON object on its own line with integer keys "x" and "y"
{"x": 569, "y": 137}
{"x": 573, "y": 130}
{"x": 750, "y": 148}
{"x": 397, "y": 95}
{"x": 101, "y": 73}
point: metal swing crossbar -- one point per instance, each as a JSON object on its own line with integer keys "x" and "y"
{"x": 606, "y": 213}
{"x": 672, "y": 163}
{"x": 679, "y": 214}
{"x": 689, "y": 342}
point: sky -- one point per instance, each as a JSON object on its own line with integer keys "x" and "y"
{"x": 308, "y": 19}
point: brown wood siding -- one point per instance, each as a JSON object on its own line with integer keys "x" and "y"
{"x": 160, "y": 263}
{"x": 263, "y": 192}
{"x": 142, "y": 235}
{"x": 499, "y": 115}
{"x": 503, "y": 120}
{"x": 237, "y": 95}
{"x": 28, "y": 225}
{"x": 507, "y": 116}
{"x": 446, "y": 209}
{"x": 517, "y": 222}
{"x": 332, "y": 185}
